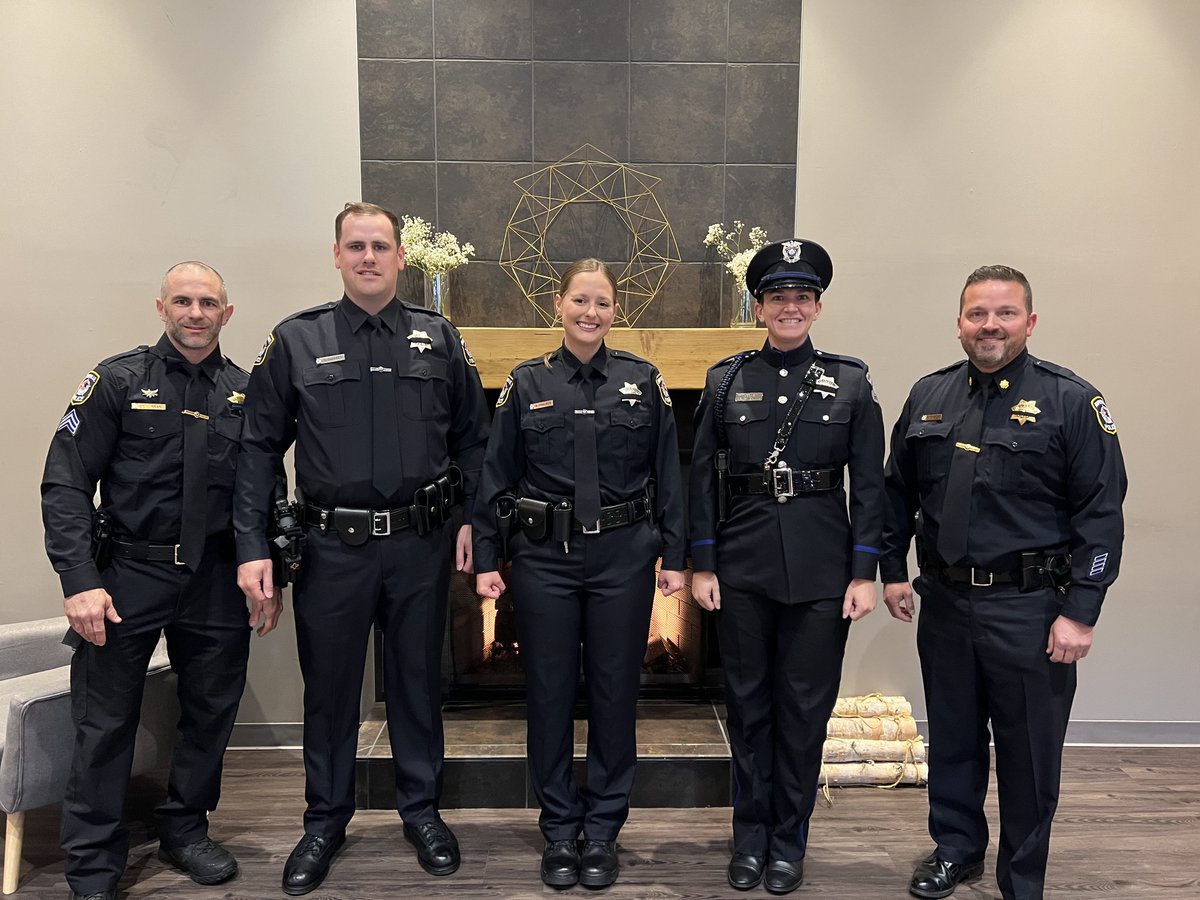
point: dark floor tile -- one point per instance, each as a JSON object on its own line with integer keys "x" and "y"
{"x": 763, "y": 196}
{"x": 494, "y": 783}
{"x": 482, "y": 29}
{"x": 475, "y": 201}
{"x": 406, "y": 188}
{"x": 581, "y": 29}
{"x": 677, "y": 782}
{"x": 396, "y": 108}
{"x": 764, "y": 31}
{"x": 763, "y": 113}
{"x": 677, "y": 113}
{"x": 692, "y": 199}
{"x": 395, "y": 29}
{"x": 678, "y": 30}
{"x": 484, "y": 110}
{"x": 575, "y": 103}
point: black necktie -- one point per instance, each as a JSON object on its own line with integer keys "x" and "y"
{"x": 956, "y": 505}
{"x": 587, "y": 477}
{"x": 193, "y": 526}
{"x": 385, "y": 428}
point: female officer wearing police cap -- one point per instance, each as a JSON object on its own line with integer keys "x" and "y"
{"x": 778, "y": 552}
{"x": 580, "y": 435}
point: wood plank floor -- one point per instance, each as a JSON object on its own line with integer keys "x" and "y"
{"x": 1126, "y": 828}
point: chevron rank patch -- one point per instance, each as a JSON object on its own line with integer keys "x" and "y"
{"x": 90, "y": 380}
{"x": 69, "y": 422}
{"x": 1099, "y": 563}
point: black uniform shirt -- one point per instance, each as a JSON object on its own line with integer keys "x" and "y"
{"x": 310, "y": 384}
{"x": 1049, "y": 476}
{"x": 124, "y": 429}
{"x": 532, "y": 449}
{"x": 808, "y": 548}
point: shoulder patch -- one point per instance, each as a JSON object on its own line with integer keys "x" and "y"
{"x": 662, "y": 389}
{"x": 505, "y": 391}
{"x": 262, "y": 354}
{"x": 1103, "y": 416}
{"x": 466, "y": 352}
{"x": 90, "y": 380}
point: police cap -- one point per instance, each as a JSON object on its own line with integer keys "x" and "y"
{"x": 796, "y": 263}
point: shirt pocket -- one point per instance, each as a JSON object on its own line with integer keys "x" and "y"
{"x": 1011, "y": 458}
{"x": 823, "y": 432}
{"x": 631, "y": 428}
{"x": 544, "y": 434}
{"x": 326, "y": 388}
{"x": 932, "y": 448}
{"x": 745, "y": 425}
{"x": 425, "y": 390}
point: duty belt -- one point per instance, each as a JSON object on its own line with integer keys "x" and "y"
{"x": 142, "y": 550}
{"x": 372, "y": 522}
{"x": 1037, "y": 570}
{"x": 617, "y": 515}
{"x": 785, "y": 482}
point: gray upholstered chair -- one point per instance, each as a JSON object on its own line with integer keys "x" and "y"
{"x": 36, "y": 732}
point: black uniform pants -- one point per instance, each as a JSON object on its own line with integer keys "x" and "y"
{"x": 983, "y": 659}
{"x": 401, "y": 581}
{"x": 204, "y": 618}
{"x": 783, "y": 665}
{"x": 598, "y": 597}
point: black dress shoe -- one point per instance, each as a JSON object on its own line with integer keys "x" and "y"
{"x": 560, "y": 863}
{"x": 598, "y": 866}
{"x": 934, "y": 877}
{"x": 783, "y": 877}
{"x": 746, "y": 871}
{"x": 309, "y": 863}
{"x": 206, "y": 861}
{"x": 437, "y": 847}
{"x": 110, "y": 894}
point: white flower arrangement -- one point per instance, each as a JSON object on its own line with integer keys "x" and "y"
{"x": 433, "y": 253}
{"x": 736, "y": 247}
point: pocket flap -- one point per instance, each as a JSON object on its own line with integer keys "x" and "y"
{"x": 630, "y": 418}
{"x": 742, "y": 413}
{"x": 835, "y": 412}
{"x": 542, "y": 421}
{"x": 1019, "y": 441}
{"x": 928, "y": 430}
{"x": 332, "y": 373}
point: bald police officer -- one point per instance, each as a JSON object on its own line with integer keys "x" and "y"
{"x": 157, "y": 428}
{"x": 1014, "y": 466}
{"x": 782, "y": 551}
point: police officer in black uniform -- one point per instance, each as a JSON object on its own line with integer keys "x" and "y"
{"x": 1014, "y": 466}
{"x": 380, "y": 397}
{"x": 158, "y": 429}
{"x": 775, "y": 552}
{"x": 584, "y": 454}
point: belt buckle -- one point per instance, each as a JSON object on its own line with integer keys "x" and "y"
{"x": 975, "y": 583}
{"x": 178, "y": 561}
{"x": 782, "y": 483}
{"x": 381, "y": 522}
{"x": 593, "y": 530}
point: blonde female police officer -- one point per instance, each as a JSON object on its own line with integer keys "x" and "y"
{"x": 584, "y": 452}
{"x": 777, "y": 552}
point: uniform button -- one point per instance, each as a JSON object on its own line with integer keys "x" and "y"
{"x": 151, "y": 429}
{"x": 783, "y": 373}
{"x": 824, "y": 418}
{"x": 782, "y": 399}
{"x": 1014, "y": 443}
{"x": 740, "y": 419}
{"x": 329, "y": 377}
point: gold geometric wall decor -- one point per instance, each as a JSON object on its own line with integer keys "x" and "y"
{"x": 589, "y": 176}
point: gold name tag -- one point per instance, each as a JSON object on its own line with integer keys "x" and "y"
{"x": 541, "y": 404}
{"x": 931, "y": 417}
{"x": 160, "y": 407}
{"x": 337, "y": 357}
{"x": 746, "y": 396}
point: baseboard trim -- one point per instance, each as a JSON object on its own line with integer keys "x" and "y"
{"x": 266, "y": 735}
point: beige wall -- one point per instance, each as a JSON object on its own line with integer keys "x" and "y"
{"x": 136, "y": 134}
{"x": 1061, "y": 138}
{"x": 934, "y": 136}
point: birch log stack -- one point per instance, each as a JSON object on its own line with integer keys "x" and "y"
{"x": 873, "y": 740}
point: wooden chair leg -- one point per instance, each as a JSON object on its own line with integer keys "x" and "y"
{"x": 14, "y": 836}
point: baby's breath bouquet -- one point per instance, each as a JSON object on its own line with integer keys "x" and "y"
{"x": 437, "y": 254}
{"x": 737, "y": 248}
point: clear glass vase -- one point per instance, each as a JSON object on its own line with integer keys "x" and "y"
{"x": 437, "y": 292}
{"x": 743, "y": 310}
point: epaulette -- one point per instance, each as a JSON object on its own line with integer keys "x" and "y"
{"x": 413, "y": 307}
{"x": 838, "y": 357}
{"x": 140, "y": 348}
{"x": 727, "y": 360}
{"x": 535, "y": 361}
{"x": 1063, "y": 372}
{"x": 324, "y": 307}
{"x": 230, "y": 362}
{"x": 944, "y": 369}
{"x": 625, "y": 354}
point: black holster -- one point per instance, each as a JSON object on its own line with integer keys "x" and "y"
{"x": 539, "y": 519}
{"x": 101, "y": 538}
{"x": 506, "y": 521}
{"x": 287, "y": 543}
{"x": 1042, "y": 570}
{"x": 722, "y": 465}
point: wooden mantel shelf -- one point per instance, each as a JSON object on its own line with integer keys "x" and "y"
{"x": 683, "y": 355}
